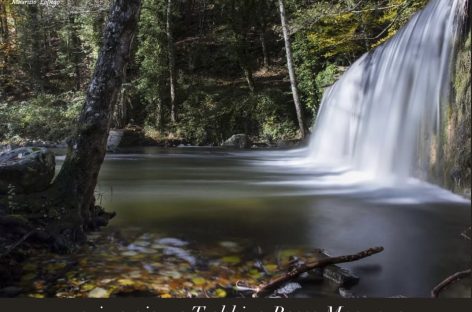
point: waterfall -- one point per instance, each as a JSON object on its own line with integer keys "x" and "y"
{"x": 383, "y": 116}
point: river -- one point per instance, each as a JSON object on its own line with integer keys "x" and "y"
{"x": 208, "y": 195}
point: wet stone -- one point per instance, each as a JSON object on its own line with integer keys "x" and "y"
{"x": 340, "y": 276}
{"x": 10, "y": 291}
{"x": 288, "y": 288}
{"x": 168, "y": 241}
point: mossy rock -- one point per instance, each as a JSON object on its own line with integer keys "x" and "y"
{"x": 26, "y": 170}
{"x": 238, "y": 141}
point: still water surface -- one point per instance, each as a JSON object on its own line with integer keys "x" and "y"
{"x": 209, "y": 195}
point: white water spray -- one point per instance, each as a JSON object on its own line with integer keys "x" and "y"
{"x": 382, "y": 117}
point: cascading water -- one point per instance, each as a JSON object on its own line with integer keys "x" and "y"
{"x": 383, "y": 116}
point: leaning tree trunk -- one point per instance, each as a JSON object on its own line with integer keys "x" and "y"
{"x": 291, "y": 70}
{"x": 77, "y": 179}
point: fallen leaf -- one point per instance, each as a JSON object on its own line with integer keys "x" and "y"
{"x": 198, "y": 281}
{"x": 98, "y": 293}
{"x": 220, "y": 293}
{"x": 87, "y": 287}
{"x": 125, "y": 282}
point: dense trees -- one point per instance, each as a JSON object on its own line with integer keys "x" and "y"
{"x": 200, "y": 70}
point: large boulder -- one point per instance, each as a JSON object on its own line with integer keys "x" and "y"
{"x": 238, "y": 141}
{"x": 131, "y": 136}
{"x": 114, "y": 139}
{"x": 27, "y": 170}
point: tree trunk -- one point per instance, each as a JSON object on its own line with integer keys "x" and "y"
{"x": 35, "y": 62}
{"x": 249, "y": 77}
{"x": 75, "y": 50}
{"x": 171, "y": 53}
{"x": 265, "y": 52}
{"x": 77, "y": 179}
{"x": 291, "y": 70}
{"x": 121, "y": 107}
{"x": 5, "y": 42}
{"x": 159, "y": 123}
{"x": 4, "y": 23}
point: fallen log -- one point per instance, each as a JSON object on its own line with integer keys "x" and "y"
{"x": 294, "y": 273}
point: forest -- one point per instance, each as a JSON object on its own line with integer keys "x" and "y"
{"x": 235, "y": 148}
{"x": 199, "y": 71}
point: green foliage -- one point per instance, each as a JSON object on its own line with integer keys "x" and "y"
{"x": 210, "y": 118}
{"x": 45, "y": 117}
{"x": 327, "y": 77}
{"x": 307, "y": 65}
{"x": 399, "y": 14}
{"x": 48, "y": 49}
{"x": 331, "y": 34}
{"x": 457, "y": 152}
{"x": 151, "y": 57}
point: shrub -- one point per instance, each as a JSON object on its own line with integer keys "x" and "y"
{"x": 211, "y": 118}
{"x": 46, "y": 117}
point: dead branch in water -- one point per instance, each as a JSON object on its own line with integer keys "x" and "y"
{"x": 294, "y": 273}
{"x": 466, "y": 233}
{"x": 448, "y": 281}
{"x": 16, "y": 244}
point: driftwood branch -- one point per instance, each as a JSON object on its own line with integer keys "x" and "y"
{"x": 16, "y": 244}
{"x": 466, "y": 233}
{"x": 277, "y": 282}
{"x": 448, "y": 281}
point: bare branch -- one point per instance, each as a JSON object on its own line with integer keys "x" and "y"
{"x": 277, "y": 282}
{"x": 448, "y": 281}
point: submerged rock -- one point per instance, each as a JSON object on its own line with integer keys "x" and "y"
{"x": 114, "y": 139}
{"x": 336, "y": 274}
{"x": 10, "y": 291}
{"x": 170, "y": 241}
{"x": 288, "y": 288}
{"x": 26, "y": 170}
{"x": 340, "y": 276}
{"x": 238, "y": 141}
{"x": 181, "y": 254}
